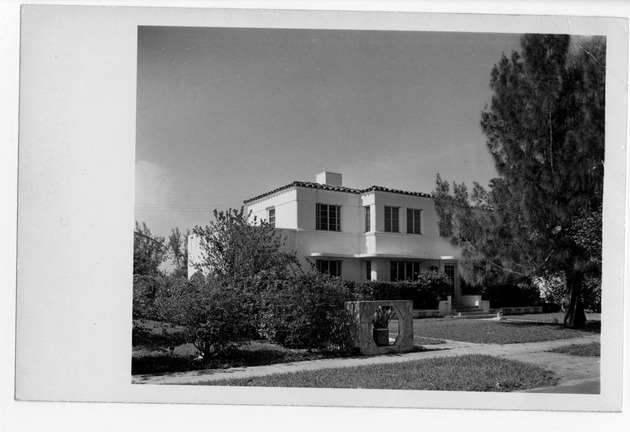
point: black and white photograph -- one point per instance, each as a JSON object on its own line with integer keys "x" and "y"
{"x": 322, "y": 208}
{"x": 300, "y": 192}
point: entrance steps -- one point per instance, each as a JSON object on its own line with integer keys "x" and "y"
{"x": 469, "y": 312}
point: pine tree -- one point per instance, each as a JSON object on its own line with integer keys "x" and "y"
{"x": 545, "y": 131}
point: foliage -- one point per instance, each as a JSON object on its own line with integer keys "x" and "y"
{"x": 545, "y": 131}
{"x": 307, "y": 311}
{"x": 217, "y": 318}
{"x": 592, "y": 294}
{"x": 382, "y": 317}
{"x": 178, "y": 251}
{"x": 149, "y": 251}
{"x": 426, "y": 291}
{"x": 145, "y": 291}
{"x": 235, "y": 249}
{"x": 511, "y": 295}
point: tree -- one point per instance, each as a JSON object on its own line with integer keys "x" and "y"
{"x": 178, "y": 250}
{"x": 545, "y": 132}
{"x": 235, "y": 249}
{"x": 149, "y": 251}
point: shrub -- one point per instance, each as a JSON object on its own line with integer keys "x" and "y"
{"x": 217, "y": 318}
{"x": 307, "y": 311}
{"x": 553, "y": 291}
{"x": 511, "y": 295}
{"x": 145, "y": 290}
{"x": 592, "y": 294}
{"x": 426, "y": 292}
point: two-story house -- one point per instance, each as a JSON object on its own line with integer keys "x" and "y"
{"x": 358, "y": 234}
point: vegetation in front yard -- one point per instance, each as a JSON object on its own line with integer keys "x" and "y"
{"x": 496, "y": 332}
{"x": 426, "y": 290}
{"x": 306, "y": 311}
{"x": 460, "y": 373}
{"x": 185, "y": 358}
{"x": 582, "y": 350}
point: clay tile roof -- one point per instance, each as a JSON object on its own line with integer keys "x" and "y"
{"x": 345, "y": 189}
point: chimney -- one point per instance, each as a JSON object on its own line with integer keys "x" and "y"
{"x": 328, "y": 178}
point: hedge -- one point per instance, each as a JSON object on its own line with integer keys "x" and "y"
{"x": 425, "y": 292}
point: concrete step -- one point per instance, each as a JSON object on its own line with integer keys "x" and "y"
{"x": 474, "y": 316}
{"x": 467, "y": 309}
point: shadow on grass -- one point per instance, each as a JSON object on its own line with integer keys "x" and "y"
{"x": 256, "y": 353}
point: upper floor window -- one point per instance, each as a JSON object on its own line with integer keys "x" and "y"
{"x": 328, "y": 217}
{"x": 271, "y": 217}
{"x": 392, "y": 219}
{"x": 368, "y": 226}
{"x": 413, "y": 221}
{"x": 332, "y": 267}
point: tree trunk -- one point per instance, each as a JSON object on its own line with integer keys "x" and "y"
{"x": 574, "y": 316}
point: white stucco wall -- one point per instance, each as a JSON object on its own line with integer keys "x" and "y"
{"x": 295, "y": 210}
{"x": 286, "y": 206}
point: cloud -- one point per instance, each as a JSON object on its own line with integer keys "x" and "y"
{"x": 154, "y": 185}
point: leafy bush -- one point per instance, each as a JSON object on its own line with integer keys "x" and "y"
{"x": 217, "y": 318}
{"x": 426, "y": 292}
{"x": 307, "y": 311}
{"x": 146, "y": 289}
{"x": 553, "y": 292}
{"x": 592, "y": 294}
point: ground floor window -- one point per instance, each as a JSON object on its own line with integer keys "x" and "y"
{"x": 404, "y": 270}
{"x": 332, "y": 267}
{"x": 368, "y": 270}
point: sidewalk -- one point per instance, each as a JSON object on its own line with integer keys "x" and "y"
{"x": 577, "y": 374}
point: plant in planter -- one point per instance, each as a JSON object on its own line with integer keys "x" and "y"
{"x": 380, "y": 324}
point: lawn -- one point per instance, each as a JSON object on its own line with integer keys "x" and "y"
{"x": 583, "y": 350}
{"x": 506, "y": 331}
{"x": 461, "y": 373}
{"x": 553, "y": 317}
{"x": 159, "y": 348}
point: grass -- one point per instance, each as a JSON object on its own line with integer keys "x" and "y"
{"x": 552, "y": 317}
{"x": 506, "y": 331}
{"x": 159, "y": 348}
{"x": 582, "y": 350}
{"x": 460, "y": 373}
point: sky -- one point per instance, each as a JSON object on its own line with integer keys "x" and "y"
{"x": 226, "y": 114}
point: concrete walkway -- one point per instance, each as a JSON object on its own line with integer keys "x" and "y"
{"x": 577, "y": 374}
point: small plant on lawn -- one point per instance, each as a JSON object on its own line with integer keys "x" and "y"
{"x": 307, "y": 311}
{"x": 382, "y": 317}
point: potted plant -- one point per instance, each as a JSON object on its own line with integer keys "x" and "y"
{"x": 380, "y": 324}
